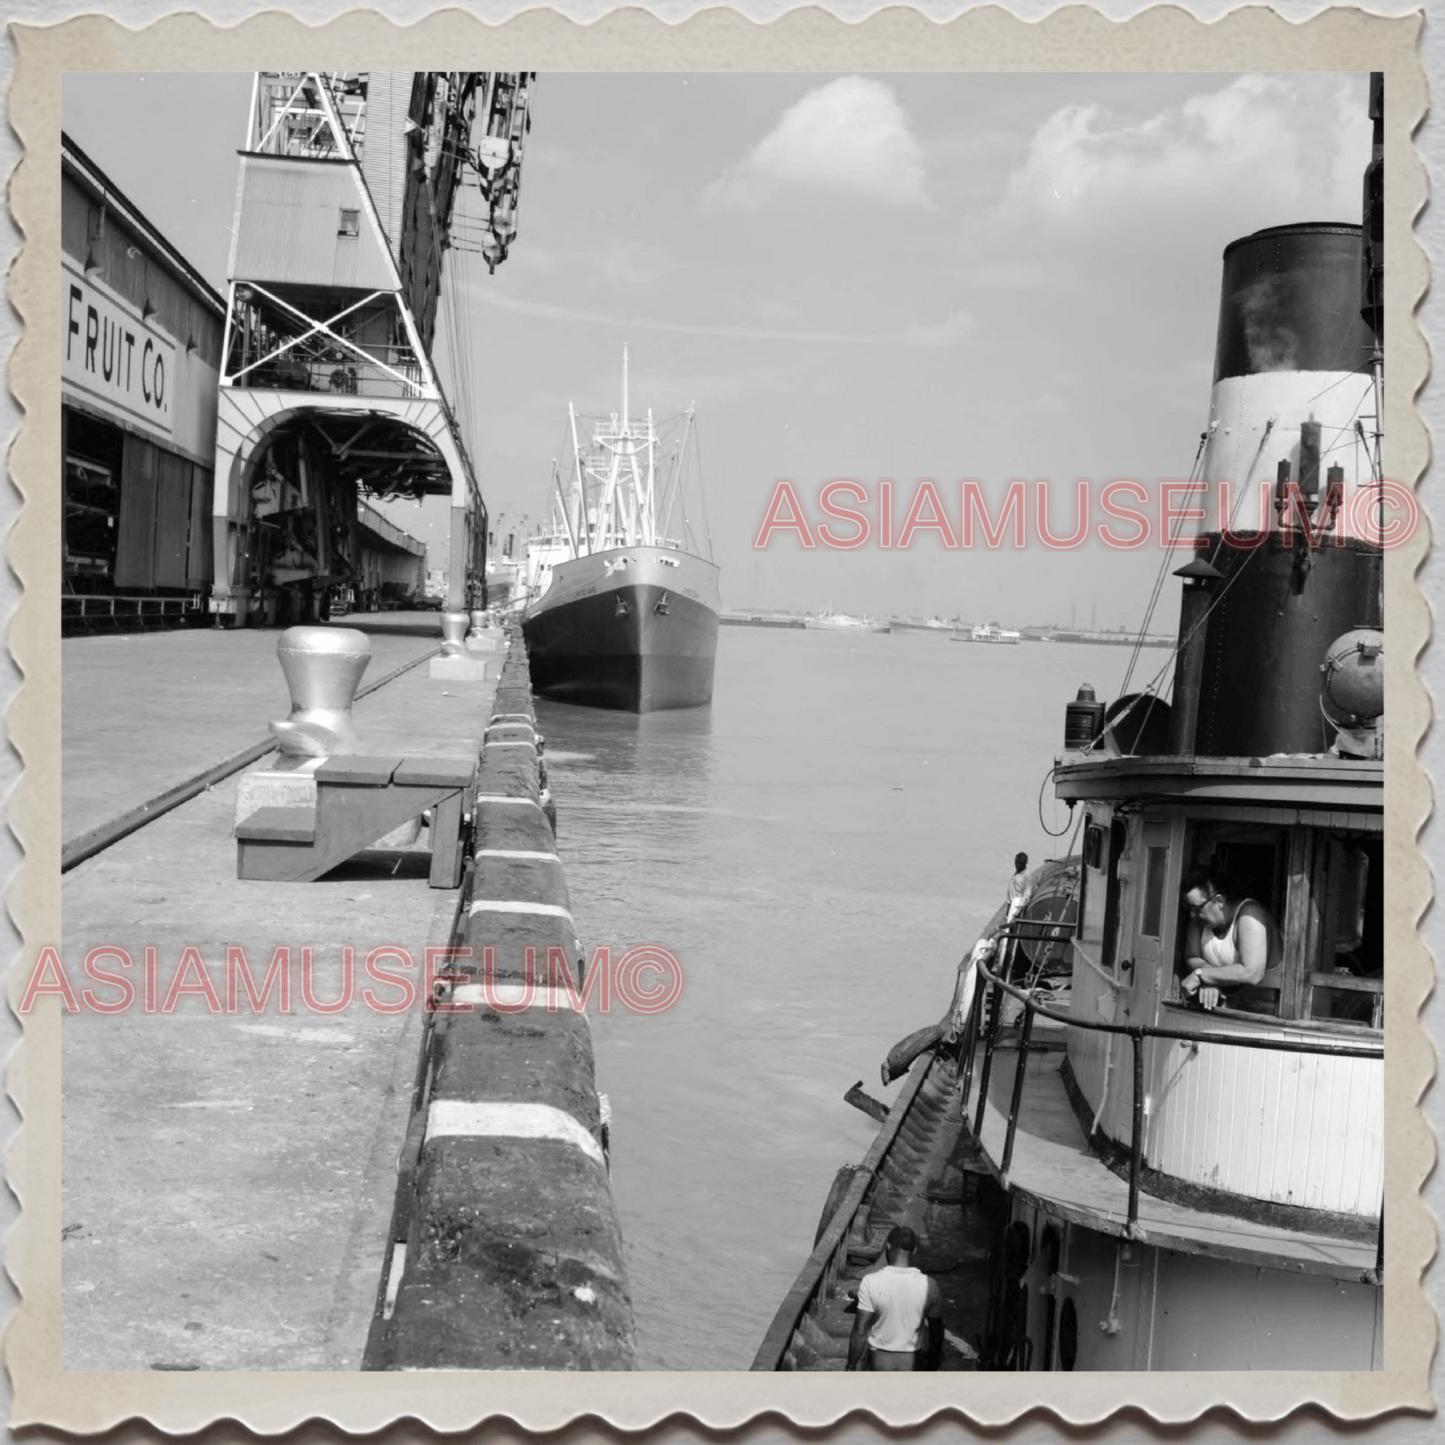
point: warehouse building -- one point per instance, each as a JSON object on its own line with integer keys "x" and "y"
{"x": 140, "y": 356}
{"x": 141, "y": 339}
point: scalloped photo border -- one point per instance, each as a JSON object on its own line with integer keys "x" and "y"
{"x": 990, "y": 39}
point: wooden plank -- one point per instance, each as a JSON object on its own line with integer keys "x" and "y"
{"x": 1271, "y": 1106}
{"x": 1315, "y": 915}
{"x": 446, "y": 842}
{"x": 874, "y": 1108}
{"x": 348, "y": 819}
{"x": 434, "y": 772}
{"x": 1294, "y": 995}
{"x": 358, "y": 771}
{"x": 278, "y": 825}
{"x": 1347, "y": 981}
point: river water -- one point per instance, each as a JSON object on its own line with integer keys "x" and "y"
{"x": 818, "y": 848}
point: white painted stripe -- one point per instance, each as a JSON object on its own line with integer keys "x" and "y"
{"x": 458, "y": 1119}
{"x": 506, "y": 798}
{"x": 509, "y": 995}
{"x": 516, "y": 853}
{"x": 515, "y": 905}
{"x": 509, "y": 743}
{"x": 512, "y": 717}
{"x": 393, "y": 1279}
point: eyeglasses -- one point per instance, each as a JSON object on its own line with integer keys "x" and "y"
{"x": 1198, "y": 908}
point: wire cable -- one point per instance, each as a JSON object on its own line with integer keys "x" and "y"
{"x": 1048, "y": 776}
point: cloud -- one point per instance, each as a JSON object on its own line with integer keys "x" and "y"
{"x": 943, "y": 332}
{"x": 1299, "y": 140}
{"x": 850, "y": 137}
{"x": 634, "y": 264}
{"x": 538, "y": 259}
{"x": 546, "y": 310}
{"x": 1006, "y": 275}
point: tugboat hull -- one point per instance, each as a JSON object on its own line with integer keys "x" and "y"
{"x": 633, "y": 629}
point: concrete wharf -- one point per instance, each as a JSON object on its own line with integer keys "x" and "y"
{"x": 229, "y": 1174}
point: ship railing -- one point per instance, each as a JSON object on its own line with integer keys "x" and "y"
{"x": 983, "y": 1022}
{"x": 829, "y": 1258}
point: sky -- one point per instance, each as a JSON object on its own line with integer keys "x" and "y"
{"x": 905, "y": 277}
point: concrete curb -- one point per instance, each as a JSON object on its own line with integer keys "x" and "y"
{"x": 505, "y": 1248}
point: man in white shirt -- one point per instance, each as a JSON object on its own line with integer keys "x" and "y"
{"x": 1020, "y": 892}
{"x": 899, "y": 1325}
{"x": 1020, "y": 887}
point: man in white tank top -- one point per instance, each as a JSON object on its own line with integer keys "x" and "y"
{"x": 899, "y": 1324}
{"x": 1231, "y": 941}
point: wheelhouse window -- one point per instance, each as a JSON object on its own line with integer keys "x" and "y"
{"x": 1324, "y": 888}
{"x": 1156, "y": 868}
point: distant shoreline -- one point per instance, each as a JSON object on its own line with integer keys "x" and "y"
{"x": 744, "y": 618}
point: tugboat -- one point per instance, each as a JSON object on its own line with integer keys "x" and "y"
{"x": 1182, "y": 1166}
{"x": 620, "y": 612}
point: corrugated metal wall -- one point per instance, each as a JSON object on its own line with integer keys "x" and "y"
{"x": 198, "y": 550}
{"x": 163, "y": 531}
{"x": 384, "y": 165}
{"x": 135, "y": 547}
{"x": 172, "y": 519}
{"x": 136, "y": 270}
{"x": 289, "y": 227}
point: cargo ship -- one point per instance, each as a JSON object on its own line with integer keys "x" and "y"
{"x": 1174, "y": 1159}
{"x": 621, "y": 592}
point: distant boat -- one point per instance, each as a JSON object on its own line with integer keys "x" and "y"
{"x": 504, "y": 583}
{"x": 917, "y": 624}
{"x": 989, "y": 632}
{"x": 622, "y": 605}
{"x": 830, "y": 621}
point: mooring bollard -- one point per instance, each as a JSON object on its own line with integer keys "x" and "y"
{"x": 322, "y": 666}
{"x": 479, "y": 623}
{"x": 454, "y": 628}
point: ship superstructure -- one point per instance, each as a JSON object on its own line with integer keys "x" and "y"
{"x": 622, "y": 593}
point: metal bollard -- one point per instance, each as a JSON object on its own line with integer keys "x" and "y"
{"x": 454, "y": 628}
{"x": 322, "y": 666}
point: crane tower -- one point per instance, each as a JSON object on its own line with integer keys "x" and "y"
{"x": 328, "y": 392}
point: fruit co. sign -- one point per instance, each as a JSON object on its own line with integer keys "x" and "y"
{"x": 112, "y": 356}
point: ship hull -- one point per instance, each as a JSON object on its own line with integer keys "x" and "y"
{"x": 633, "y": 629}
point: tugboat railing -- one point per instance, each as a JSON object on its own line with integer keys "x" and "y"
{"x": 995, "y": 986}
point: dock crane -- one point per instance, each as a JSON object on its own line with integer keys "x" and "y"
{"x": 348, "y": 197}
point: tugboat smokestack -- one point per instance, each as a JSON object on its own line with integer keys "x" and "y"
{"x": 1288, "y": 492}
